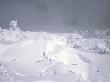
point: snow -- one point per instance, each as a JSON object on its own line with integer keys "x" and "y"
{"x": 45, "y": 81}
{"x": 53, "y": 57}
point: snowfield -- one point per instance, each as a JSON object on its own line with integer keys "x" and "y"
{"x": 57, "y": 57}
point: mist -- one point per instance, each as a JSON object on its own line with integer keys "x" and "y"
{"x": 56, "y": 15}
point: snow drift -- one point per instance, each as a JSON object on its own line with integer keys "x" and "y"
{"x": 54, "y": 57}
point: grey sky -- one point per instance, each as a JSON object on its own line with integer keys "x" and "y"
{"x": 56, "y": 15}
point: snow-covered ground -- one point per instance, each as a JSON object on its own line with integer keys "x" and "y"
{"x": 54, "y": 57}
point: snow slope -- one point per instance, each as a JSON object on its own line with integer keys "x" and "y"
{"x": 48, "y": 58}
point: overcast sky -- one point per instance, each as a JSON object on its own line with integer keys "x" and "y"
{"x": 56, "y": 15}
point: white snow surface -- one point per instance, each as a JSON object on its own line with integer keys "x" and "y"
{"x": 46, "y": 57}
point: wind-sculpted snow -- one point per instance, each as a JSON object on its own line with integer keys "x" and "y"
{"x": 78, "y": 60}
{"x": 40, "y": 56}
{"x": 26, "y": 58}
{"x": 24, "y": 53}
{"x": 90, "y": 41}
{"x": 4, "y": 75}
